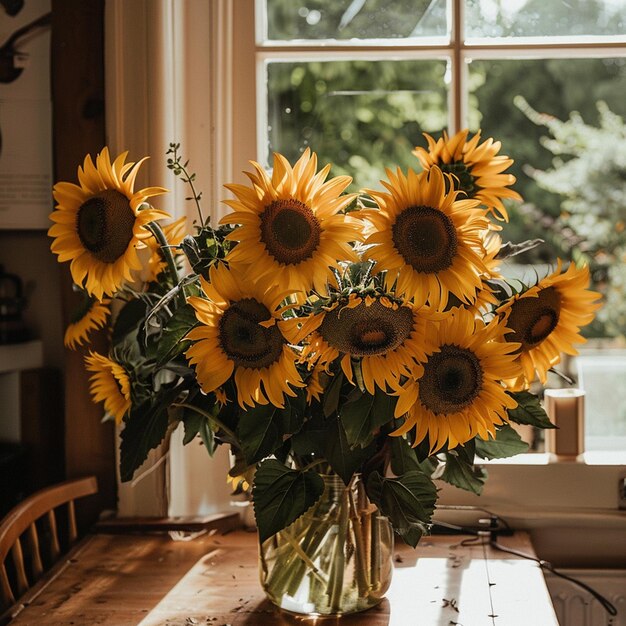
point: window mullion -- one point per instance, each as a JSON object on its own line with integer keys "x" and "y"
{"x": 457, "y": 96}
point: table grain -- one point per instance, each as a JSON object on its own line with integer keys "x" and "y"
{"x": 153, "y": 580}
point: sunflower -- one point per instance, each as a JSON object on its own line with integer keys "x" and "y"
{"x": 110, "y": 384}
{"x": 174, "y": 234}
{"x": 546, "y": 320}
{"x": 476, "y": 168}
{"x": 100, "y": 224}
{"x": 240, "y": 483}
{"x": 429, "y": 242}
{"x": 241, "y": 332}
{"x": 383, "y": 336}
{"x": 291, "y": 230}
{"x": 90, "y": 315}
{"x": 314, "y": 386}
{"x": 456, "y": 393}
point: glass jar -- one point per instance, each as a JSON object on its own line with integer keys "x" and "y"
{"x": 334, "y": 559}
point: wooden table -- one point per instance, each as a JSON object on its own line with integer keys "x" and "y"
{"x": 151, "y": 580}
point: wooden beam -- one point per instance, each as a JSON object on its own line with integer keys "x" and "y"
{"x": 77, "y": 76}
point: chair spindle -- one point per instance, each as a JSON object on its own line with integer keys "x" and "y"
{"x": 5, "y": 588}
{"x": 71, "y": 522}
{"x": 35, "y": 554}
{"x": 55, "y": 549}
{"x": 20, "y": 571}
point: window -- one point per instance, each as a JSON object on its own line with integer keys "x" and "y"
{"x": 224, "y": 101}
{"x": 360, "y": 81}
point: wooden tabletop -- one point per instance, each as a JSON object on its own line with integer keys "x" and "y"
{"x": 152, "y": 580}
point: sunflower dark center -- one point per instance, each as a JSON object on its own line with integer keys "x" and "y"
{"x": 463, "y": 179}
{"x": 290, "y": 231}
{"x": 105, "y": 225}
{"x": 425, "y": 238}
{"x": 244, "y": 340}
{"x": 533, "y": 319}
{"x": 451, "y": 381}
{"x": 366, "y": 330}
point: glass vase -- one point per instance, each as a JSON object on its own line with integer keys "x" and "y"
{"x": 334, "y": 559}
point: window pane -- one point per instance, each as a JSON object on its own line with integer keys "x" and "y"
{"x": 359, "y": 115}
{"x": 531, "y": 18}
{"x": 570, "y": 175}
{"x": 602, "y": 377}
{"x": 355, "y": 19}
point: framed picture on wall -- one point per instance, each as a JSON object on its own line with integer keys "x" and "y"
{"x": 25, "y": 115}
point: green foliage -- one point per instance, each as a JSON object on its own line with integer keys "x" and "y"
{"x": 197, "y": 424}
{"x": 131, "y": 315}
{"x": 507, "y": 443}
{"x": 172, "y": 344}
{"x": 282, "y": 495}
{"x": 404, "y": 458}
{"x": 344, "y": 19}
{"x": 408, "y": 501}
{"x": 587, "y": 171}
{"x": 333, "y": 395}
{"x": 363, "y": 414}
{"x": 362, "y": 116}
{"x": 261, "y": 428}
{"x": 460, "y": 470}
{"x": 529, "y": 411}
{"x": 144, "y": 429}
{"x": 326, "y": 438}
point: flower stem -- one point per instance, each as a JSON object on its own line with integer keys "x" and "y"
{"x": 210, "y": 417}
{"x": 360, "y": 555}
{"x": 335, "y": 582}
{"x": 166, "y": 252}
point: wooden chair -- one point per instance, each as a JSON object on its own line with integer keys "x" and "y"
{"x": 20, "y": 535}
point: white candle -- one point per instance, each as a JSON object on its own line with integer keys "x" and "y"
{"x": 566, "y": 410}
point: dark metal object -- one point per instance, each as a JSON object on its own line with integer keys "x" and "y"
{"x": 12, "y": 304}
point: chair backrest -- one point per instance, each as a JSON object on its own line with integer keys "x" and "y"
{"x": 21, "y": 520}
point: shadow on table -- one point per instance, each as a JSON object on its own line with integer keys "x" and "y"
{"x": 265, "y": 613}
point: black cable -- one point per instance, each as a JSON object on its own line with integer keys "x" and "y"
{"x": 492, "y": 533}
{"x": 608, "y": 606}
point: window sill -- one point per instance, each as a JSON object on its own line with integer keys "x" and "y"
{"x": 570, "y": 508}
{"x": 535, "y": 489}
{"x": 594, "y": 457}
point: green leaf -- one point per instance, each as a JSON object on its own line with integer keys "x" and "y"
{"x": 403, "y": 457}
{"x": 365, "y": 414}
{"x": 344, "y": 460}
{"x": 507, "y": 443}
{"x": 282, "y": 495}
{"x": 529, "y": 411}
{"x": 128, "y": 320}
{"x": 262, "y": 427}
{"x": 460, "y": 470}
{"x": 197, "y": 424}
{"x": 293, "y": 414}
{"x": 332, "y": 395}
{"x": 326, "y": 438}
{"x": 144, "y": 430}
{"x": 259, "y": 431}
{"x": 171, "y": 342}
{"x": 408, "y": 501}
{"x": 310, "y": 438}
